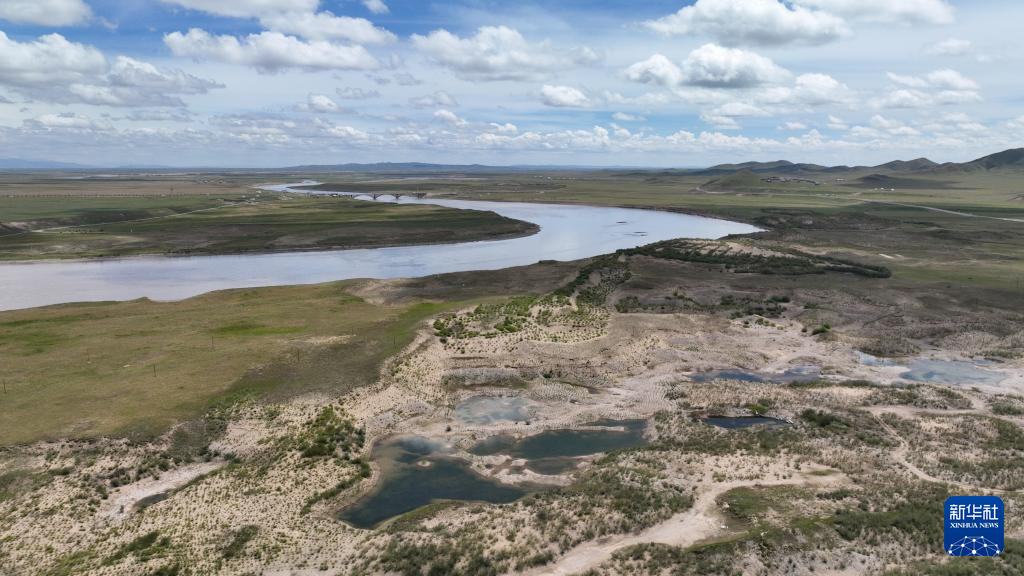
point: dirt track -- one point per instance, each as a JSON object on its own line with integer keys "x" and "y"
{"x": 701, "y": 522}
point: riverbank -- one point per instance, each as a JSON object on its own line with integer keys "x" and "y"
{"x": 566, "y": 233}
{"x": 566, "y": 357}
{"x": 262, "y": 223}
{"x": 878, "y": 378}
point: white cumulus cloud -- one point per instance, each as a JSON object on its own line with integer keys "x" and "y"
{"x": 563, "y": 96}
{"x": 321, "y": 103}
{"x": 657, "y": 69}
{"x": 53, "y": 69}
{"x": 450, "y": 117}
{"x": 751, "y": 22}
{"x": 886, "y": 11}
{"x": 950, "y": 47}
{"x": 45, "y": 12}
{"x": 821, "y": 89}
{"x": 725, "y": 117}
{"x": 376, "y": 6}
{"x": 951, "y": 80}
{"x": 247, "y": 8}
{"x": 836, "y": 123}
{"x": 131, "y": 82}
{"x": 506, "y": 128}
{"x": 938, "y": 88}
{"x": 627, "y": 117}
{"x": 715, "y": 66}
{"x": 327, "y": 26}
{"x": 496, "y": 53}
{"x": 67, "y": 121}
{"x": 270, "y": 51}
{"x": 710, "y": 66}
{"x": 946, "y": 79}
{"x": 439, "y": 99}
{"x": 48, "y": 59}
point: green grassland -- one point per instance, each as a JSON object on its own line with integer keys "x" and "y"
{"x": 91, "y": 369}
{"x": 841, "y": 216}
{"x": 135, "y": 368}
{"x": 132, "y": 369}
{"x": 42, "y": 227}
{"x": 50, "y": 211}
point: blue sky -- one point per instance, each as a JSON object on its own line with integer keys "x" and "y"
{"x": 277, "y": 82}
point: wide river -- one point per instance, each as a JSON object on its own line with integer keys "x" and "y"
{"x": 566, "y": 233}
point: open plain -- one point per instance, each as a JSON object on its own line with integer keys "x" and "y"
{"x": 511, "y": 288}
{"x": 111, "y": 216}
{"x": 862, "y": 332}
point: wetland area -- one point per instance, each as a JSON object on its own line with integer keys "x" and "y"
{"x": 417, "y": 471}
{"x": 483, "y": 288}
{"x": 725, "y": 393}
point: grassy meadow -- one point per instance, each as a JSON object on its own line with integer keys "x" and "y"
{"x": 44, "y": 227}
{"x": 843, "y": 215}
{"x": 134, "y": 368}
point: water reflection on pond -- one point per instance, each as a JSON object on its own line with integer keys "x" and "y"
{"x": 556, "y": 451}
{"x": 934, "y": 371}
{"x": 615, "y": 435}
{"x": 950, "y": 372}
{"x": 485, "y": 410}
{"x": 417, "y": 471}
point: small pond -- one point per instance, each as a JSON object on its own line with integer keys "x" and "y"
{"x": 485, "y": 410}
{"x": 417, "y": 471}
{"x": 555, "y": 451}
{"x": 954, "y": 372}
{"x": 950, "y": 372}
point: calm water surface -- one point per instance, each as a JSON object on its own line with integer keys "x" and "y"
{"x": 558, "y": 451}
{"x": 567, "y": 443}
{"x": 417, "y": 471}
{"x": 567, "y": 233}
{"x": 493, "y": 409}
{"x": 953, "y": 372}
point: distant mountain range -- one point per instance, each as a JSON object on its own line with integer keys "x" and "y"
{"x": 790, "y": 168}
{"x": 22, "y": 164}
{"x": 1008, "y": 160}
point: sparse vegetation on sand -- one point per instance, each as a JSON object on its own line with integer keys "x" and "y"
{"x": 223, "y": 434}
